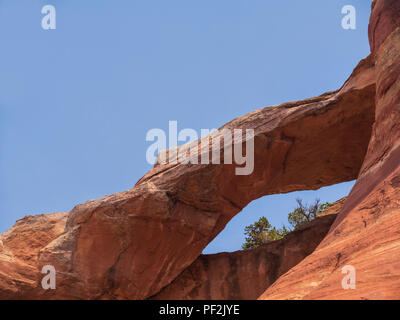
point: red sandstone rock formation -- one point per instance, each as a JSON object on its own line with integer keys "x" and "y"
{"x": 19, "y": 249}
{"x": 132, "y": 244}
{"x": 366, "y": 234}
{"x": 385, "y": 18}
{"x": 135, "y": 243}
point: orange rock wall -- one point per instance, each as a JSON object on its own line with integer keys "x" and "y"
{"x": 366, "y": 234}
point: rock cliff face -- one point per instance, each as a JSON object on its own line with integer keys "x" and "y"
{"x": 366, "y": 234}
{"x": 135, "y": 243}
{"x": 19, "y": 250}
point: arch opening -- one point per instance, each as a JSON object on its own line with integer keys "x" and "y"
{"x": 275, "y": 208}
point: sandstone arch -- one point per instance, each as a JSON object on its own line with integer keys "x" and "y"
{"x": 133, "y": 244}
{"x": 366, "y": 233}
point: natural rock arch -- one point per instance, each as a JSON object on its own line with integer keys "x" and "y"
{"x": 133, "y": 244}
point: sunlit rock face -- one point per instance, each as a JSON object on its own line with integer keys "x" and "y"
{"x": 19, "y": 251}
{"x": 366, "y": 234}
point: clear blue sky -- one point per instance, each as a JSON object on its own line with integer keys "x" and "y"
{"x": 76, "y": 102}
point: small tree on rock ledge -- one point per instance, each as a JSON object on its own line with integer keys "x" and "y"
{"x": 262, "y": 232}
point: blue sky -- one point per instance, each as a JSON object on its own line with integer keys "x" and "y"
{"x": 76, "y": 102}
